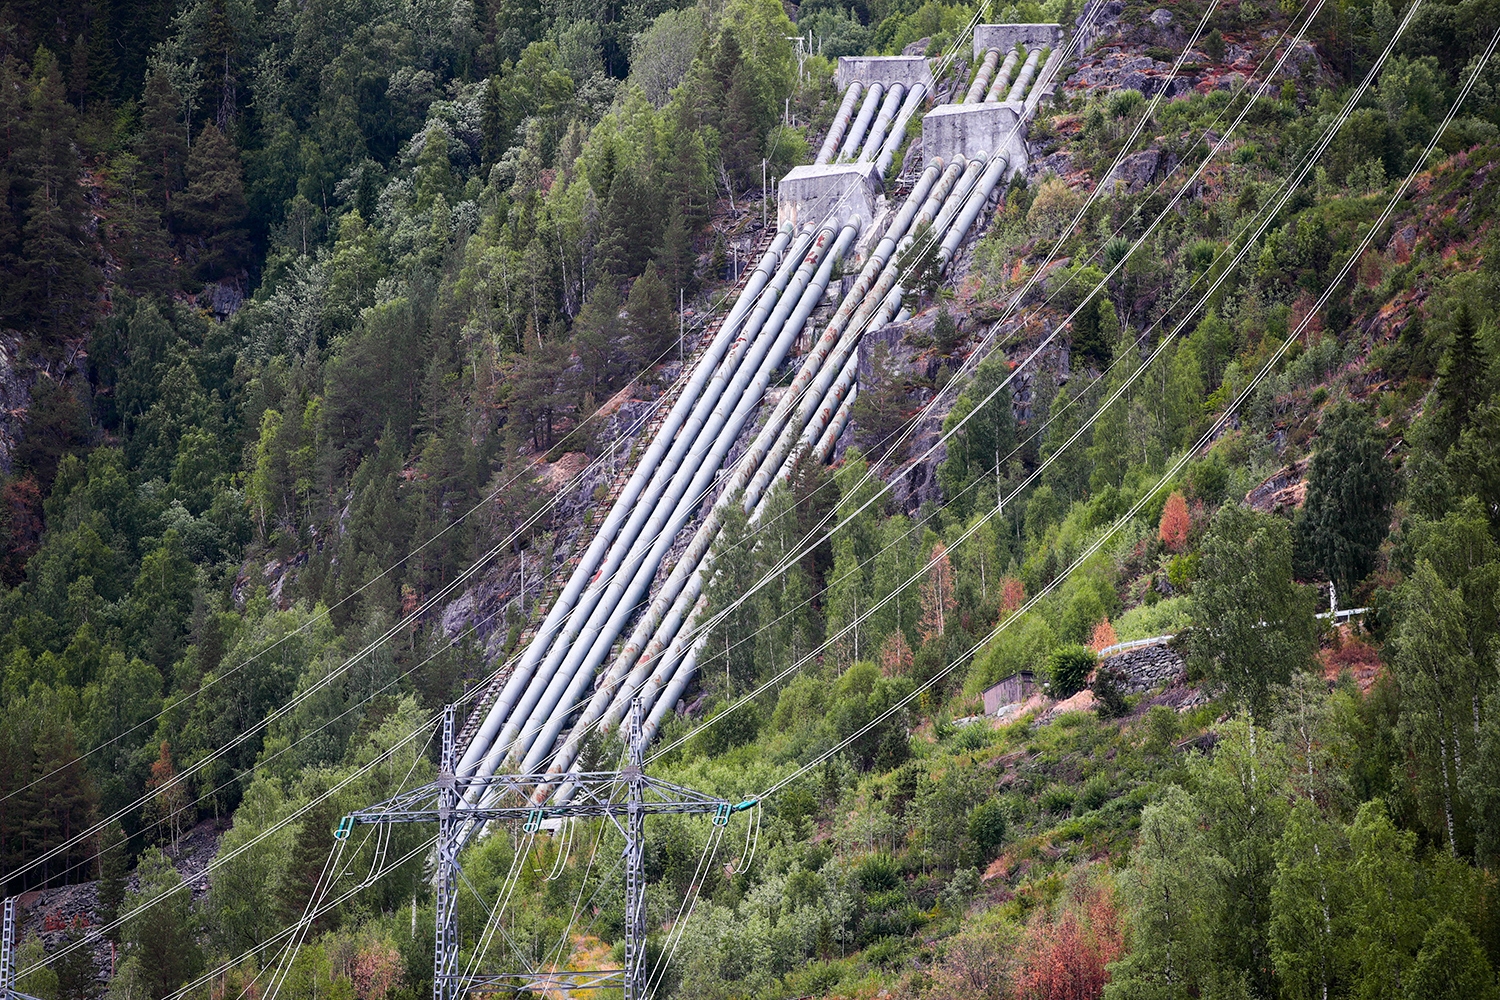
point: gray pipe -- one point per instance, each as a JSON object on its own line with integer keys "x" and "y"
{"x": 1002, "y": 79}
{"x": 716, "y": 438}
{"x": 972, "y": 207}
{"x": 856, "y": 133}
{"x": 586, "y": 611}
{"x": 982, "y": 78}
{"x": 762, "y": 460}
{"x": 610, "y": 680}
{"x": 638, "y": 481}
{"x": 882, "y": 122}
{"x": 1028, "y": 71}
{"x": 522, "y": 688}
{"x": 840, "y": 123}
{"x": 898, "y": 127}
{"x": 1049, "y": 70}
{"x": 675, "y": 670}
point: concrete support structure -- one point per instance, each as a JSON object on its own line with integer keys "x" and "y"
{"x": 954, "y": 130}
{"x": 1007, "y": 36}
{"x": 808, "y": 195}
{"x": 884, "y": 70}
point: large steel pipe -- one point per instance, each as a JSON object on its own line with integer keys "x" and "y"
{"x": 1002, "y": 79}
{"x": 682, "y": 574}
{"x": 628, "y": 542}
{"x": 898, "y": 127}
{"x": 973, "y": 205}
{"x": 856, "y": 134}
{"x": 931, "y": 190}
{"x": 882, "y": 122}
{"x": 840, "y": 123}
{"x": 558, "y": 702}
{"x": 654, "y": 470}
{"x": 677, "y": 666}
{"x": 982, "y": 78}
{"x": 1028, "y": 71}
{"x": 618, "y": 513}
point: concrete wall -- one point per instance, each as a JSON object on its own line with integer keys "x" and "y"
{"x": 1007, "y": 36}
{"x": 905, "y": 70}
{"x": 969, "y": 129}
{"x": 809, "y": 193}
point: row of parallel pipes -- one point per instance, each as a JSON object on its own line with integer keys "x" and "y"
{"x": 949, "y": 199}
{"x": 679, "y": 468}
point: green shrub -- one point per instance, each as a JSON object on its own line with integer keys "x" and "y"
{"x": 987, "y": 828}
{"x": 1069, "y": 668}
{"x": 1056, "y": 799}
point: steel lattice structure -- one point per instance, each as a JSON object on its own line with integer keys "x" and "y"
{"x": 448, "y": 803}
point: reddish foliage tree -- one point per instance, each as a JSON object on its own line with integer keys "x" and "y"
{"x": 169, "y": 797}
{"x": 895, "y": 655}
{"x": 20, "y": 527}
{"x": 1175, "y": 522}
{"x": 1012, "y": 595}
{"x": 1103, "y": 637}
{"x": 1067, "y": 957}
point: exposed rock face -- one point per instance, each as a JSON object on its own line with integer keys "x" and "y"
{"x": 1134, "y": 171}
{"x": 1285, "y": 490}
{"x": 14, "y": 399}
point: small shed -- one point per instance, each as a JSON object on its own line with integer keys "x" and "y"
{"x": 1015, "y": 688}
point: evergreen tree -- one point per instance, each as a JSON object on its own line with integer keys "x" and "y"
{"x": 729, "y": 655}
{"x": 114, "y": 868}
{"x": 652, "y": 321}
{"x": 162, "y": 144}
{"x": 59, "y": 268}
{"x": 1350, "y": 489}
{"x": 1460, "y": 385}
{"x": 211, "y": 210}
{"x": 1450, "y": 966}
{"x": 161, "y": 935}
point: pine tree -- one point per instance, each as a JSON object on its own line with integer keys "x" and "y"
{"x": 59, "y": 267}
{"x": 651, "y": 320}
{"x": 162, "y": 142}
{"x": 114, "y": 868}
{"x": 1350, "y": 489}
{"x": 161, "y": 935}
{"x": 1460, "y": 386}
{"x": 212, "y": 209}
{"x": 677, "y": 258}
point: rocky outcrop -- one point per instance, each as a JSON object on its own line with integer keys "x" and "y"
{"x": 14, "y": 398}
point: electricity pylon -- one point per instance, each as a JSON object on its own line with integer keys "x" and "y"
{"x": 446, "y": 802}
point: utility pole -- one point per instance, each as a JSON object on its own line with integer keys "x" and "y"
{"x": 681, "y": 356}
{"x": 446, "y": 801}
{"x": 8, "y": 989}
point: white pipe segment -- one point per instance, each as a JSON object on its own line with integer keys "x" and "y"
{"x": 840, "y": 123}
{"x": 675, "y": 670}
{"x": 1049, "y": 70}
{"x": 882, "y": 122}
{"x": 856, "y": 133}
{"x": 982, "y": 77}
{"x": 643, "y": 473}
{"x": 610, "y": 681}
{"x": 718, "y": 435}
{"x": 1028, "y": 71}
{"x": 824, "y": 449}
{"x": 763, "y": 460}
{"x": 1002, "y": 79}
{"x": 898, "y": 127}
{"x": 628, "y": 543}
{"x": 975, "y": 203}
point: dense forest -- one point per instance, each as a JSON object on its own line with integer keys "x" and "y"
{"x": 306, "y": 308}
